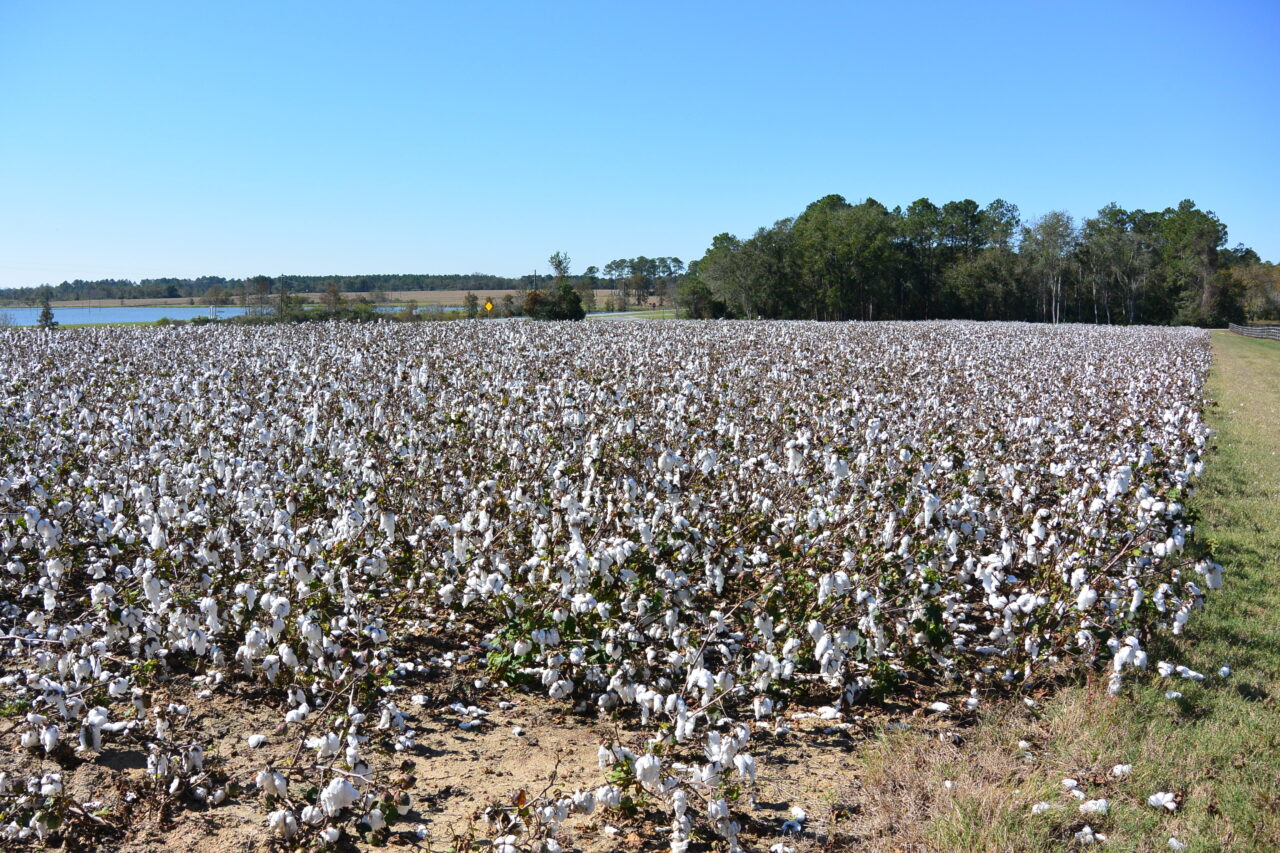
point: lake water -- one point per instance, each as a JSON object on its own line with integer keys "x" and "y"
{"x": 73, "y": 316}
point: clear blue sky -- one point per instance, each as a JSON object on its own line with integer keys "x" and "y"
{"x": 178, "y": 139}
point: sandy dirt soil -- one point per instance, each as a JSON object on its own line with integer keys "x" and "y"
{"x": 453, "y": 774}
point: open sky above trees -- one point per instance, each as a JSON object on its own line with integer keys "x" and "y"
{"x": 149, "y": 139}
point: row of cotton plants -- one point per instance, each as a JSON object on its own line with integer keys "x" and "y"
{"x": 698, "y": 527}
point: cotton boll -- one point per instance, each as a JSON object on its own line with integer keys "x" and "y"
{"x": 283, "y": 823}
{"x": 1087, "y": 835}
{"x": 49, "y": 738}
{"x": 648, "y": 771}
{"x": 1098, "y": 807}
{"x": 1087, "y": 598}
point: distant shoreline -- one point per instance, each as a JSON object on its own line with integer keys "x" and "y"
{"x": 443, "y": 298}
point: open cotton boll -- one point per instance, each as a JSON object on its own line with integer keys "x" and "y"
{"x": 1163, "y": 800}
{"x": 338, "y": 795}
{"x": 283, "y": 823}
{"x": 1087, "y": 835}
{"x": 1087, "y": 598}
{"x": 648, "y": 770}
{"x": 256, "y": 740}
{"x": 270, "y": 782}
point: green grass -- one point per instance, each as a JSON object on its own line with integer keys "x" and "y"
{"x": 647, "y": 314}
{"x": 1218, "y": 747}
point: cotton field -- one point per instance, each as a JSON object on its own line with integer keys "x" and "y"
{"x": 700, "y": 530}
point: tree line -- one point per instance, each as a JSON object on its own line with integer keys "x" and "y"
{"x": 843, "y": 261}
{"x": 198, "y": 288}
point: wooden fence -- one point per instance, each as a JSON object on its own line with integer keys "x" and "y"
{"x": 1269, "y": 332}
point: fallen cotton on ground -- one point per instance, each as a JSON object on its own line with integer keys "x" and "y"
{"x": 706, "y": 530}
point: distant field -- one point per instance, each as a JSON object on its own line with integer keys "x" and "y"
{"x": 423, "y": 297}
{"x": 453, "y": 297}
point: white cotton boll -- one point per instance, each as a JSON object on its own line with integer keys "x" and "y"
{"x": 1191, "y": 674}
{"x": 1098, "y": 807}
{"x": 745, "y": 765}
{"x": 325, "y": 745}
{"x": 1122, "y": 770}
{"x": 1175, "y": 844}
{"x": 49, "y": 738}
{"x": 256, "y": 740}
{"x": 561, "y": 689}
{"x": 1164, "y": 800}
{"x": 338, "y": 795}
{"x": 648, "y": 770}
{"x": 608, "y": 796}
{"x": 51, "y": 785}
{"x": 1041, "y": 808}
{"x": 271, "y": 667}
{"x": 940, "y": 707}
{"x": 1225, "y": 671}
{"x": 311, "y": 815}
{"x": 283, "y": 823}
{"x": 1088, "y": 836}
{"x": 1087, "y": 598}
{"x": 1172, "y": 694}
{"x": 375, "y": 820}
{"x": 270, "y": 782}
{"x": 330, "y": 834}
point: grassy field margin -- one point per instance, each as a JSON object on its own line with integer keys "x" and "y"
{"x": 1218, "y": 746}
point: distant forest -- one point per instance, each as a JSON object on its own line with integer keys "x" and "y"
{"x": 171, "y": 288}
{"x": 636, "y": 281}
{"x": 842, "y": 261}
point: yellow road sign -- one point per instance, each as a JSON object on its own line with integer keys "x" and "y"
{"x": 488, "y": 305}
